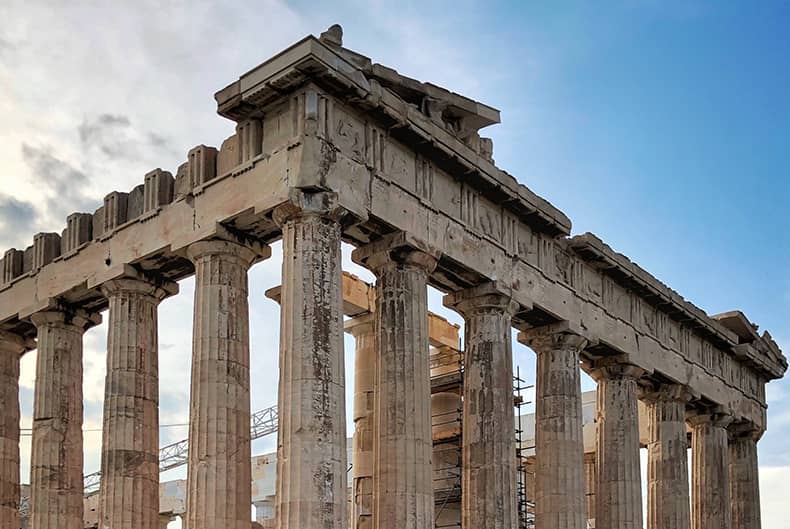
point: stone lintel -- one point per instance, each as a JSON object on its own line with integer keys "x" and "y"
{"x": 486, "y": 296}
{"x": 560, "y": 334}
{"x": 400, "y": 248}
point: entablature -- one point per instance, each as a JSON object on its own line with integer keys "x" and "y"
{"x": 729, "y": 331}
{"x": 311, "y": 61}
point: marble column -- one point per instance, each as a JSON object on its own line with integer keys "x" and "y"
{"x": 619, "y": 491}
{"x": 311, "y": 452}
{"x": 489, "y": 493}
{"x": 559, "y": 451}
{"x": 56, "y": 462}
{"x": 218, "y": 477}
{"x": 402, "y": 474}
{"x": 129, "y": 492}
{"x": 361, "y": 327}
{"x": 710, "y": 483}
{"x": 744, "y": 480}
{"x": 668, "y": 504}
{"x": 590, "y": 484}
{"x": 11, "y": 348}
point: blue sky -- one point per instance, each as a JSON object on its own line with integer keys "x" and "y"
{"x": 663, "y": 127}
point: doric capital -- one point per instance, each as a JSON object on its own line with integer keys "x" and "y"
{"x": 717, "y": 417}
{"x": 397, "y": 249}
{"x": 561, "y": 335}
{"x": 274, "y": 293}
{"x": 230, "y": 243}
{"x": 359, "y": 325}
{"x": 666, "y": 393}
{"x": 488, "y": 297}
{"x": 11, "y": 343}
{"x": 742, "y": 431}
{"x": 614, "y": 368}
{"x": 80, "y": 319}
{"x": 158, "y": 290}
{"x": 324, "y": 204}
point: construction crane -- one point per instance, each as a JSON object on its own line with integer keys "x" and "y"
{"x": 262, "y": 423}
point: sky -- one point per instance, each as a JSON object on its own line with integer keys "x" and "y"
{"x": 661, "y": 126}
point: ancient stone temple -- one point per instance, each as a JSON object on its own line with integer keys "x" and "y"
{"x": 331, "y": 147}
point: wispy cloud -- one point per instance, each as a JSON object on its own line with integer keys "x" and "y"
{"x": 55, "y": 178}
{"x": 16, "y": 218}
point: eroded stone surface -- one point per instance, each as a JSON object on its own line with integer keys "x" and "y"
{"x": 218, "y": 479}
{"x": 56, "y": 461}
{"x": 744, "y": 482}
{"x": 619, "y": 491}
{"x": 559, "y": 451}
{"x": 129, "y": 493}
{"x": 710, "y": 481}
{"x": 364, "y": 420}
{"x": 402, "y": 475}
{"x": 488, "y": 457}
{"x": 667, "y": 459}
{"x": 312, "y": 460}
{"x": 590, "y": 485}
{"x": 11, "y": 349}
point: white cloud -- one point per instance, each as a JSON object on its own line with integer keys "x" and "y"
{"x": 773, "y": 497}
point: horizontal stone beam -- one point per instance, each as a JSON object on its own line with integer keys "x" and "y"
{"x": 155, "y": 242}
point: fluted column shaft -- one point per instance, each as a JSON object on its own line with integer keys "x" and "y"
{"x": 218, "y": 477}
{"x": 364, "y": 417}
{"x": 668, "y": 504}
{"x": 488, "y": 455}
{"x": 559, "y": 451}
{"x": 129, "y": 493}
{"x": 619, "y": 494}
{"x": 56, "y": 463}
{"x": 311, "y": 452}
{"x": 402, "y": 475}
{"x": 744, "y": 482}
{"x": 590, "y": 484}
{"x": 11, "y": 347}
{"x": 710, "y": 483}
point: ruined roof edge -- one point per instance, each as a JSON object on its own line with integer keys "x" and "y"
{"x": 309, "y": 57}
{"x": 591, "y": 248}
